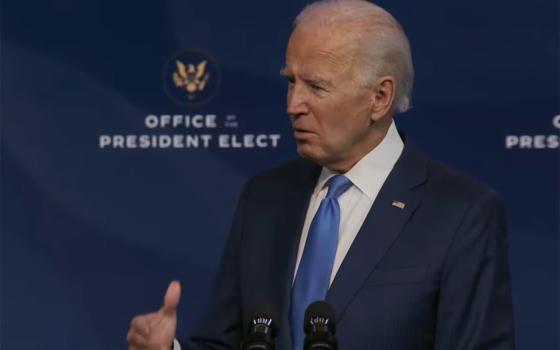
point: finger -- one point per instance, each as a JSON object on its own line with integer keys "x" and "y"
{"x": 171, "y": 299}
{"x": 136, "y": 340}
{"x": 141, "y": 325}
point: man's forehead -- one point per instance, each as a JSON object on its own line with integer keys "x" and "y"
{"x": 326, "y": 57}
{"x": 319, "y": 45}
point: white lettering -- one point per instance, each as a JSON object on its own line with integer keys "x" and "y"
{"x": 525, "y": 141}
{"x": 538, "y": 141}
{"x": 211, "y": 121}
{"x": 511, "y": 140}
{"x": 191, "y": 141}
{"x": 223, "y": 141}
{"x": 118, "y": 141}
{"x": 165, "y": 120}
{"x": 177, "y": 120}
{"x": 556, "y": 121}
{"x": 197, "y": 121}
{"x": 235, "y": 143}
{"x": 131, "y": 141}
{"x": 206, "y": 140}
{"x": 274, "y": 138}
{"x": 104, "y": 140}
{"x": 144, "y": 141}
{"x": 261, "y": 141}
{"x": 178, "y": 141}
{"x": 151, "y": 121}
{"x": 248, "y": 141}
{"x": 164, "y": 141}
{"x": 553, "y": 141}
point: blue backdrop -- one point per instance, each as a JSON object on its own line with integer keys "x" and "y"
{"x": 92, "y": 233}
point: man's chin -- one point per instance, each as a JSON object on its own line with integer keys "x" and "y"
{"x": 310, "y": 153}
{"x": 321, "y": 158}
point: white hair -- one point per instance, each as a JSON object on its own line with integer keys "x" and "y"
{"x": 380, "y": 38}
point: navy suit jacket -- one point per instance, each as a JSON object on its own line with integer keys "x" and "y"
{"x": 432, "y": 275}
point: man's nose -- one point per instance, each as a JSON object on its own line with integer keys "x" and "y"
{"x": 297, "y": 101}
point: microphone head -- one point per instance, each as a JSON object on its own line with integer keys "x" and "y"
{"x": 319, "y": 327}
{"x": 261, "y": 330}
{"x": 319, "y": 316}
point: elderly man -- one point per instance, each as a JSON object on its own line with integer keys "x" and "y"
{"x": 410, "y": 254}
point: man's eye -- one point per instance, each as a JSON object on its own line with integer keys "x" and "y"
{"x": 316, "y": 87}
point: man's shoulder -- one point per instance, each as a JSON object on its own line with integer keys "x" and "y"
{"x": 289, "y": 182}
{"x": 450, "y": 183}
{"x": 438, "y": 178}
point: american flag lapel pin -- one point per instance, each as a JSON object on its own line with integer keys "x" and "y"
{"x": 398, "y": 204}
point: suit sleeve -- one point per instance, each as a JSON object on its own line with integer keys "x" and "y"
{"x": 220, "y": 326}
{"x": 475, "y": 304}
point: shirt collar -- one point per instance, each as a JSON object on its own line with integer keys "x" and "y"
{"x": 369, "y": 173}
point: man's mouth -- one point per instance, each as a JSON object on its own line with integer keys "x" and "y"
{"x": 302, "y": 134}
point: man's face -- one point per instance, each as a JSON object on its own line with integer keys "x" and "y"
{"x": 330, "y": 112}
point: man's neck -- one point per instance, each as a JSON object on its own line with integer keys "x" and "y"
{"x": 378, "y": 133}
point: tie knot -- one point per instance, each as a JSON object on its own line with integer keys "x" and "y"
{"x": 337, "y": 184}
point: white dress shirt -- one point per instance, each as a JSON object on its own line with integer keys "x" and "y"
{"x": 367, "y": 176}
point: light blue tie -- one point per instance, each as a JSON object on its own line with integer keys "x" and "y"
{"x": 315, "y": 267}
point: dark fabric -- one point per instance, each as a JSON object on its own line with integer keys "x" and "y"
{"x": 431, "y": 275}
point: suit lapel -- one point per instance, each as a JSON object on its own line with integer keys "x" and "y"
{"x": 381, "y": 227}
{"x": 295, "y": 200}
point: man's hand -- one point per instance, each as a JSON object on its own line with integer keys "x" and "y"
{"x": 156, "y": 330}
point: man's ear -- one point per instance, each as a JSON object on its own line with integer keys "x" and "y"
{"x": 382, "y": 97}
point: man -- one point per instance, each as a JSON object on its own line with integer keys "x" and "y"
{"x": 410, "y": 254}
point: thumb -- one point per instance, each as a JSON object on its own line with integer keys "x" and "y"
{"x": 171, "y": 299}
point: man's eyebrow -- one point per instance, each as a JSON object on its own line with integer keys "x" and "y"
{"x": 317, "y": 81}
{"x": 310, "y": 80}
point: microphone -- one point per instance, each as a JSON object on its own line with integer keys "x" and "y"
{"x": 319, "y": 327}
{"x": 261, "y": 333}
